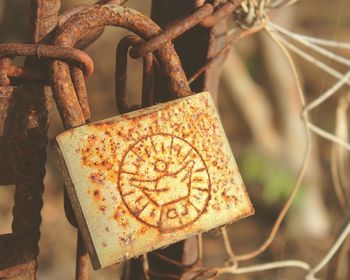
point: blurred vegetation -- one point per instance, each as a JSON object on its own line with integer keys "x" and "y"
{"x": 275, "y": 180}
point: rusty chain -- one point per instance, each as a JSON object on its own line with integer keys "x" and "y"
{"x": 121, "y": 74}
{"x": 77, "y": 28}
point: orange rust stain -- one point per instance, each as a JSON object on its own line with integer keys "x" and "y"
{"x": 104, "y": 125}
{"x": 102, "y": 208}
{"x": 97, "y": 178}
{"x": 125, "y": 223}
{"x": 216, "y": 207}
{"x": 119, "y": 212}
{"x": 97, "y": 195}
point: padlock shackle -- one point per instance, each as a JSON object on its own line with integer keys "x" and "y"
{"x": 109, "y": 15}
{"x": 121, "y": 66}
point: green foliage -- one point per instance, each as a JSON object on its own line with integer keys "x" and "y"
{"x": 276, "y": 180}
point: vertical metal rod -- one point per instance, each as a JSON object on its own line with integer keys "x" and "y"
{"x": 30, "y": 138}
{"x": 82, "y": 260}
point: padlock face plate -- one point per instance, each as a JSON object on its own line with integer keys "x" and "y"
{"x": 150, "y": 178}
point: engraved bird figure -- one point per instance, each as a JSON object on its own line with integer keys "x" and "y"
{"x": 169, "y": 186}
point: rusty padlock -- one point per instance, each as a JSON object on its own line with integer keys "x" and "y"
{"x": 149, "y": 178}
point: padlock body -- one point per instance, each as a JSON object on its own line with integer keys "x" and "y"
{"x": 150, "y": 178}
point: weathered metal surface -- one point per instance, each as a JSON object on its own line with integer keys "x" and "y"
{"x": 121, "y": 75}
{"x": 92, "y": 35}
{"x": 75, "y": 57}
{"x": 173, "y": 31}
{"x": 78, "y": 81}
{"x": 82, "y": 261}
{"x": 194, "y": 48}
{"x": 28, "y": 140}
{"x": 6, "y": 160}
{"x": 5, "y": 64}
{"x": 221, "y": 13}
{"x": 25, "y": 271}
{"x": 27, "y": 73}
{"x": 216, "y": 42}
{"x": 98, "y": 16}
{"x": 149, "y": 178}
{"x": 71, "y": 55}
{"x": 44, "y": 18}
{"x": 5, "y": 101}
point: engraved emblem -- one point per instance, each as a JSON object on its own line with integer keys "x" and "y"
{"x": 164, "y": 182}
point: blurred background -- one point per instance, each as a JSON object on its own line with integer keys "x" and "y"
{"x": 260, "y": 110}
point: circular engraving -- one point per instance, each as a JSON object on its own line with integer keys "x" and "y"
{"x": 164, "y": 182}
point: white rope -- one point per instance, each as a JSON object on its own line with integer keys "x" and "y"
{"x": 327, "y": 94}
{"x": 253, "y": 12}
{"x": 314, "y": 40}
{"x": 312, "y": 60}
{"x": 343, "y": 79}
{"x": 328, "y": 136}
{"x": 322, "y": 51}
{"x": 326, "y": 43}
{"x": 342, "y": 237}
{"x": 279, "y": 3}
{"x": 330, "y": 254}
{"x": 269, "y": 266}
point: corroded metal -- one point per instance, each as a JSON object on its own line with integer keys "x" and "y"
{"x": 121, "y": 75}
{"x": 27, "y": 134}
{"x": 92, "y": 35}
{"x": 98, "y": 16}
{"x": 221, "y": 13}
{"x": 75, "y": 57}
{"x": 80, "y": 90}
{"x": 44, "y": 21}
{"x": 7, "y": 170}
{"x": 27, "y": 73}
{"x": 194, "y": 48}
{"x": 149, "y": 178}
{"x": 172, "y": 31}
{"x": 6, "y": 93}
{"x": 28, "y": 139}
{"x": 71, "y": 55}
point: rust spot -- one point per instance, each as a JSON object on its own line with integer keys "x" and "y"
{"x": 216, "y": 207}
{"x": 119, "y": 212}
{"x": 104, "y": 124}
{"x": 97, "y": 195}
{"x": 96, "y": 178}
{"x": 143, "y": 230}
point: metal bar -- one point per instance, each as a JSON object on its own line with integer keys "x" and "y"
{"x": 221, "y": 13}
{"x": 80, "y": 89}
{"x": 194, "y": 48}
{"x": 29, "y": 122}
{"x": 172, "y": 31}
{"x": 82, "y": 23}
{"x": 71, "y": 55}
{"x": 82, "y": 260}
{"x": 121, "y": 75}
